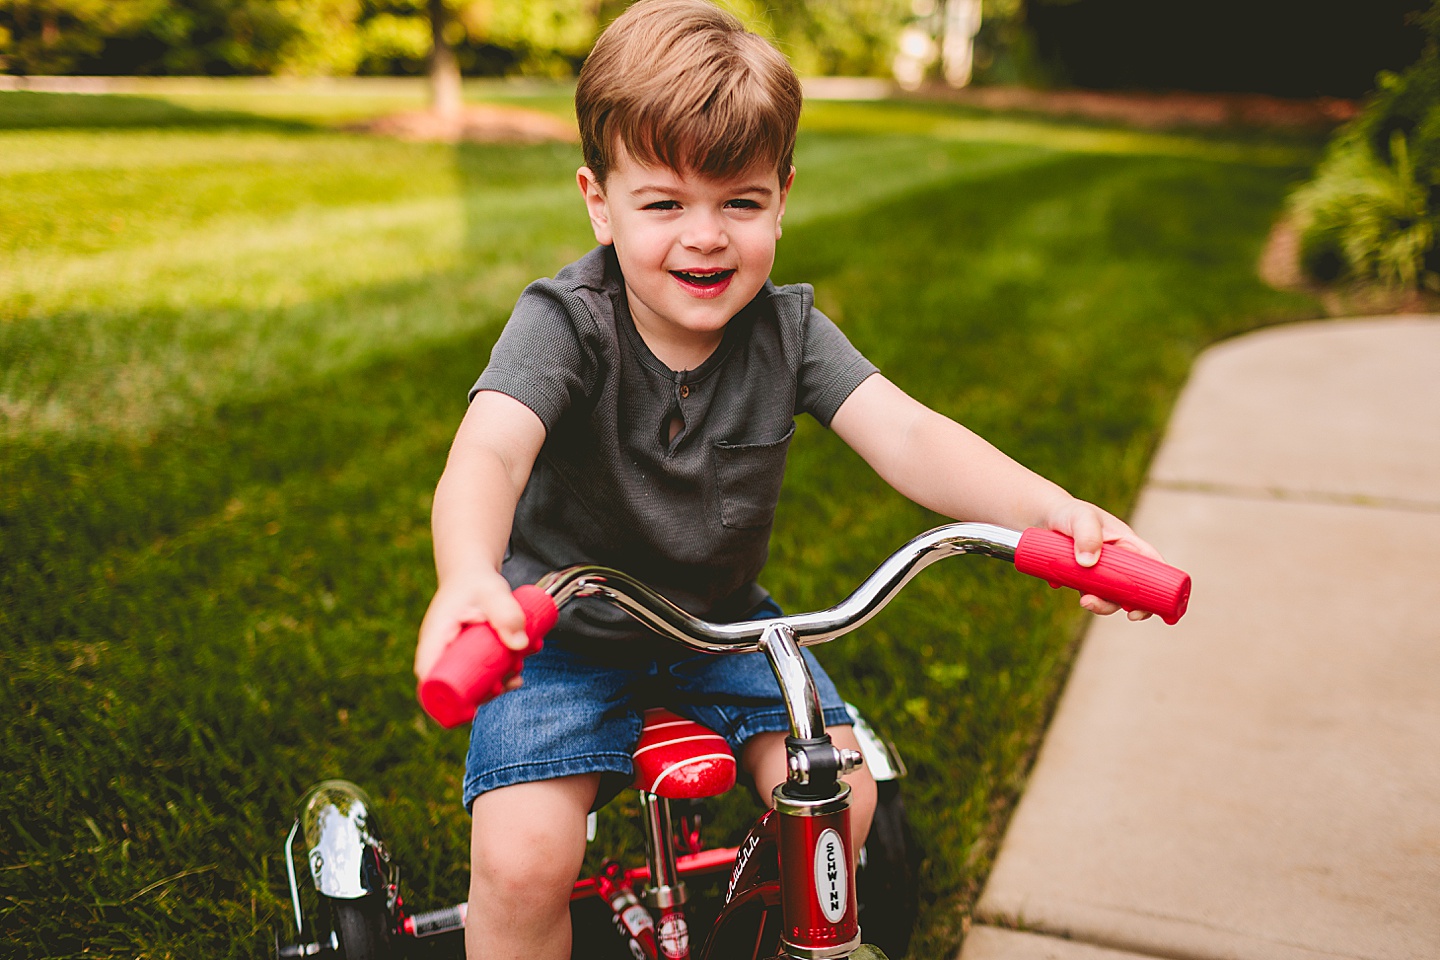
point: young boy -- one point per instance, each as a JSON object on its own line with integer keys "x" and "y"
{"x": 636, "y": 413}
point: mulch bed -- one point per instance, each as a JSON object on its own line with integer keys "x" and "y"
{"x": 1159, "y": 110}
{"x": 474, "y": 123}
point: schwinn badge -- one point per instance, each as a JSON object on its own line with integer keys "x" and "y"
{"x": 830, "y": 877}
{"x": 674, "y": 936}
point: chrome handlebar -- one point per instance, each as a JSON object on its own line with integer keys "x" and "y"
{"x": 746, "y": 636}
{"x": 478, "y": 670}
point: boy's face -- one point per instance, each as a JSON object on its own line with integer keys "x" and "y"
{"x": 693, "y": 250}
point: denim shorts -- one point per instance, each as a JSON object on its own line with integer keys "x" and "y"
{"x": 579, "y": 709}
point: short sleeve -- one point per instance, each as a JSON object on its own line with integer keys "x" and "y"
{"x": 541, "y": 358}
{"x": 830, "y": 368}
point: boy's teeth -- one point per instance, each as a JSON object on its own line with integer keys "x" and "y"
{"x": 703, "y": 279}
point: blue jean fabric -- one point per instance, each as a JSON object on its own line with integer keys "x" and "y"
{"x": 580, "y": 709}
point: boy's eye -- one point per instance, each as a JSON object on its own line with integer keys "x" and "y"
{"x": 662, "y": 205}
{"x": 742, "y": 204}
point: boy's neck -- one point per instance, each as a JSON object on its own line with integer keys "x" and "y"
{"x": 680, "y": 357}
{"x": 678, "y": 350}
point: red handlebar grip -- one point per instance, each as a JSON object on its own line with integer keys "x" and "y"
{"x": 1122, "y": 576}
{"x": 476, "y": 665}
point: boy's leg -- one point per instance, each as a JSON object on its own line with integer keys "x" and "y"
{"x": 527, "y": 842}
{"x": 764, "y": 759}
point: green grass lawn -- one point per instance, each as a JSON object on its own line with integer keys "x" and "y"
{"x": 235, "y": 343}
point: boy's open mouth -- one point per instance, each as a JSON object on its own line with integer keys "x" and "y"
{"x": 706, "y": 278}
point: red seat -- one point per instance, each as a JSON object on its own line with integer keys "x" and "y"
{"x": 680, "y": 759}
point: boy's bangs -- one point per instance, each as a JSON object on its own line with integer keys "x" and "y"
{"x": 721, "y": 136}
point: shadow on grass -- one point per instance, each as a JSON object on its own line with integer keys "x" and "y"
{"x": 32, "y": 110}
{"x": 910, "y": 114}
{"x": 211, "y": 621}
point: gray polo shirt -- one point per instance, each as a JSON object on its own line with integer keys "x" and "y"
{"x": 691, "y": 516}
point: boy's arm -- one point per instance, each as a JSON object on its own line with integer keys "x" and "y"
{"x": 943, "y": 466}
{"x": 489, "y": 464}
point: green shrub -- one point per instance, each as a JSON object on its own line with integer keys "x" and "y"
{"x": 1365, "y": 219}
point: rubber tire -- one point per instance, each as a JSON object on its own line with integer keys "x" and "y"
{"x": 363, "y": 927}
{"x": 887, "y": 887}
{"x": 593, "y": 927}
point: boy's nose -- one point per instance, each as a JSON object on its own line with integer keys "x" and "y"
{"x": 704, "y": 233}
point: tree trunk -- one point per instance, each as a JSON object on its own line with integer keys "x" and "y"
{"x": 957, "y": 44}
{"x": 444, "y": 69}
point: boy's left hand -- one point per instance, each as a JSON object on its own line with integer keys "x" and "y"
{"x": 1093, "y": 530}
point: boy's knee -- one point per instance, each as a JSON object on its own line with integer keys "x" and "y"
{"x": 529, "y": 840}
{"x": 516, "y": 865}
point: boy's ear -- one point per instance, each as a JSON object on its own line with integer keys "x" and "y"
{"x": 784, "y": 195}
{"x": 595, "y": 205}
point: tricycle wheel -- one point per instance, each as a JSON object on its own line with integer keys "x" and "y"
{"x": 595, "y": 937}
{"x": 363, "y": 927}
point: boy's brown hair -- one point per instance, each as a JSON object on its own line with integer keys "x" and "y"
{"x": 683, "y": 84}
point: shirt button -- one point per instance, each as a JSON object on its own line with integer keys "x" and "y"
{"x": 684, "y": 390}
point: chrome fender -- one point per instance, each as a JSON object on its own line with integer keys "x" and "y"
{"x": 881, "y": 758}
{"x": 347, "y": 856}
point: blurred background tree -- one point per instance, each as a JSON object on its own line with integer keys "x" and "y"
{"x": 849, "y": 38}
{"x": 965, "y": 41}
{"x": 547, "y": 38}
{"x": 1286, "y": 47}
{"x": 54, "y": 36}
{"x": 209, "y": 37}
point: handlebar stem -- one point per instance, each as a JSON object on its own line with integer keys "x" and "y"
{"x": 802, "y": 700}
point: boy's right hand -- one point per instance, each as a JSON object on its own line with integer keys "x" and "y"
{"x": 482, "y": 598}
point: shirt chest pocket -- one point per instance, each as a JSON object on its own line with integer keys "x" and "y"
{"x": 747, "y": 480}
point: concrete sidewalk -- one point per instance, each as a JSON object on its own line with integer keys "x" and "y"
{"x": 1263, "y": 779}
